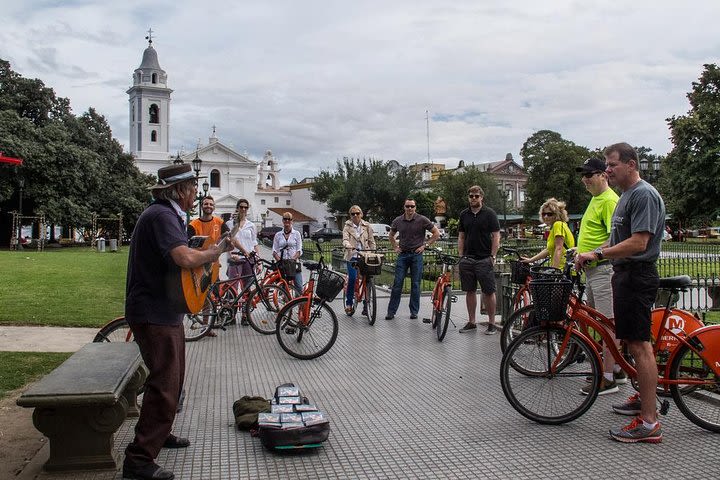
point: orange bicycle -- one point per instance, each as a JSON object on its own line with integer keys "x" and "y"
{"x": 307, "y": 326}
{"x": 545, "y": 367}
{"x": 442, "y": 296}
{"x": 368, "y": 264}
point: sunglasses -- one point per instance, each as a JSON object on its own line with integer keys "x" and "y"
{"x": 243, "y": 207}
{"x": 409, "y": 206}
{"x": 590, "y": 174}
{"x": 354, "y": 213}
{"x": 474, "y": 195}
{"x": 287, "y": 219}
{"x": 547, "y": 214}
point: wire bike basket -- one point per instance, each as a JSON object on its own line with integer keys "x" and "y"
{"x": 519, "y": 271}
{"x": 329, "y": 284}
{"x": 546, "y": 273}
{"x": 550, "y": 298}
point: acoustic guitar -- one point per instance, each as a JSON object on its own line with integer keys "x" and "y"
{"x": 196, "y": 281}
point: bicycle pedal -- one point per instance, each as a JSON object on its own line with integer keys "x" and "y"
{"x": 664, "y": 407}
{"x": 580, "y": 358}
{"x": 453, "y": 298}
{"x": 427, "y": 320}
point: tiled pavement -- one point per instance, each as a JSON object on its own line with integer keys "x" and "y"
{"x": 403, "y": 405}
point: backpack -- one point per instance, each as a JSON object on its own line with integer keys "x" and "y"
{"x": 246, "y": 411}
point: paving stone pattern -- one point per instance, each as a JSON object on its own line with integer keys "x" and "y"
{"x": 403, "y": 405}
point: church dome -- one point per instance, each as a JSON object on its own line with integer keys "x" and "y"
{"x": 150, "y": 59}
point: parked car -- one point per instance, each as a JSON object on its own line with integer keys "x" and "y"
{"x": 268, "y": 233}
{"x": 381, "y": 230}
{"x": 326, "y": 234}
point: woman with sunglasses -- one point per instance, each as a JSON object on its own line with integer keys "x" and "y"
{"x": 357, "y": 235}
{"x": 560, "y": 238}
{"x": 244, "y": 238}
{"x": 287, "y": 244}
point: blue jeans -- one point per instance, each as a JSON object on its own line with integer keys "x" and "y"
{"x": 298, "y": 281}
{"x": 414, "y": 262}
{"x": 352, "y": 276}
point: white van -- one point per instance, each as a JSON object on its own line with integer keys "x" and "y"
{"x": 381, "y": 230}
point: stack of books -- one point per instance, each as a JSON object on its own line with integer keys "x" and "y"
{"x": 290, "y": 410}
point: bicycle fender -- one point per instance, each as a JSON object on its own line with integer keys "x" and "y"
{"x": 706, "y": 342}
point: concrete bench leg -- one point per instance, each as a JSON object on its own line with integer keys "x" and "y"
{"x": 131, "y": 390}
{"x": 81, "y": 438}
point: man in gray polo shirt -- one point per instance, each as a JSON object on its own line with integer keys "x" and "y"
{"x": 412, "y": 227}
{"x": 638, "y": 225}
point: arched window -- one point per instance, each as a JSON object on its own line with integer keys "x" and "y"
{"x": 154, "y": 78}
{"x": 215, "y": 178}
{"x": 153, "y": 136}
{"x": 154, "y": 113}
{"x": 139, "y": 77}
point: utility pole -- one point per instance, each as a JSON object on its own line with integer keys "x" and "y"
{"x": 427, "y": 131}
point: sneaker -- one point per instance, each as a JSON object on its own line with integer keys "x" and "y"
{"x": 491, "y": 329}
{"x": 630, "y": 407}
{"x": 606, "y": 386}
{"x": 389, "y": 317}
{"x": 364, "y": 312}
{"x": 636, "y": 432}
{"x": 349, "y": 310}
{"x": 469, "y": 327}
{"x": 413, "y": 316}
{"x": 621, "y": 377}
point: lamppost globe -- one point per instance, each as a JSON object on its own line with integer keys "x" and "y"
{"x": 197, "y": 165}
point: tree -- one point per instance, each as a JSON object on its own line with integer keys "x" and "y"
{"x": 378, "y": 187}
{"x": 692, "y": 168}
{"x": 452, "y": 187}
{"x": 72, "y": 165}
{"x": 550, "y": 161}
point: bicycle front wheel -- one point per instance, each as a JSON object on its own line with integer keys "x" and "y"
{"x": 519, "y": 320}
{"x": 116, "y": 330}
{"x": 263, "y": 305}
{"x": 443, "y": 316}
{"x": 370, "y": 300}
{"x": 306, "y": 329}
{"x": 699, "y": 403}
{"x": 548, "y": 390}
{"x": 197, "y": 325}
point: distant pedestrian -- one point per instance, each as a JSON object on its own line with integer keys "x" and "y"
{"x": 412, "y": 227}
{"x": 478, "y": 243}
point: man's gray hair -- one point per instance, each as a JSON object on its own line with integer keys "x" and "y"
{"x": 171, "y": 193}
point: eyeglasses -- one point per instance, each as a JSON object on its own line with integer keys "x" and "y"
{"x": 354, "y": 213}
{"x": 547, "y": 214}
{"x": 409, "y": 206}
{"x": 474, "y": 195}
{"x": 287, "y": 219}
{"x": 243, "y": 207}
{"x": 590, "y": 174}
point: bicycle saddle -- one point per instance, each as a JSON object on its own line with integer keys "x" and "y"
{"x": 681, "y": 281}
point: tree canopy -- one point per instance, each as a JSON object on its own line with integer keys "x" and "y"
{"x": 72, "y": 165}
{"x": 550, "y": 162}
{"x": 378, "y": 187}
{"x": 693, "y": 189}
{"x": 452, "y": 187}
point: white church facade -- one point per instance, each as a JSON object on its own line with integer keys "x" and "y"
{"x": 230, "y": 175}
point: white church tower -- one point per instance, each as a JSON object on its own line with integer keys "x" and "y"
{"x": 149, "y": 100}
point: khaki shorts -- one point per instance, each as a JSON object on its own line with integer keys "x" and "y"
{"x": 598, "y": 283}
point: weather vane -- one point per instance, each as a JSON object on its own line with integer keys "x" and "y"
{"x": 149, "y": 36}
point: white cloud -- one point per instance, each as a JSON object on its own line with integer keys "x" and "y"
{"x": 314, "y": 81}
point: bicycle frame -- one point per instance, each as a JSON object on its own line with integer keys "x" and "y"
{"x": 444, "y": 279}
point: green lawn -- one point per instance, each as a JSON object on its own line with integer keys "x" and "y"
{"x": 71, "y": 287}
{"x": 20, "y": 368}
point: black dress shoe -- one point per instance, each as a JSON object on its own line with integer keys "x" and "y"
{"x": 176, "y": 442}
{"x": 389, "y": 317}
{"x": 150, "y": 471}
{"x": 413, "y": 316}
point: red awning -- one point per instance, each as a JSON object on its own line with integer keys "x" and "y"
{"x": 10, "y": 160}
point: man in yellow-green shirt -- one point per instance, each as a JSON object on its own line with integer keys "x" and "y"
{"x": 595, "y": 230}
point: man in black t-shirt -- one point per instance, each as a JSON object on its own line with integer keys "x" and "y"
{"x": 154, "y": 308}
{"x": 478, "y": 243}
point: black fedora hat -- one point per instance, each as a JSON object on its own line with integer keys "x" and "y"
{"x": 174, "y": 174}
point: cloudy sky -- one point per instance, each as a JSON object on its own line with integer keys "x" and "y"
{"x": 318, "y": 80}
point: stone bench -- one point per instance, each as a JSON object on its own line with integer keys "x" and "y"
{"x": 81, "y": 404}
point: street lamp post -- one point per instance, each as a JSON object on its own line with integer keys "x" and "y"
{"x": 650, "y": 174}
{"x": 21, "y": 184}
{"x": 504, "y": 196}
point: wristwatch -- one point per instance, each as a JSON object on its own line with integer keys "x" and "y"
{"x": 599, "y": 253}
